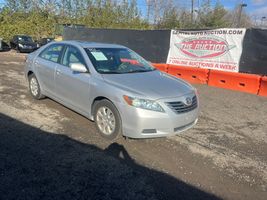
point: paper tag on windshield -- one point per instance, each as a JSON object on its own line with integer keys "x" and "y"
{"x": 99, "y": 56}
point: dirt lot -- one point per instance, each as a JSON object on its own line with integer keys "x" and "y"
{"x": 50, "y": 152}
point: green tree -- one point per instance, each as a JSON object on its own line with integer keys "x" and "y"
{"x": 212, "y": 17}
{"x": 170, "y": 19}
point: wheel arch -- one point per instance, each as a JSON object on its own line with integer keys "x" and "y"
{"x": 110, "y": 104}
{"x": 30, "y": 72}
{"x": 40, "y": 93}
{"x": 96, "y": 99}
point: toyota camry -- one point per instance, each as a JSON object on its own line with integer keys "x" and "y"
{"x": 113, "y": 86}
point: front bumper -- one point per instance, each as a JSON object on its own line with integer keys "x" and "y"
{"x": 27, "y": 50}
{"x": 140, "y": 123}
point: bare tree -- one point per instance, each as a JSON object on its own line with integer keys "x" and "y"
{"x": 157, "y": 8}
{"x": 234, "y": 17}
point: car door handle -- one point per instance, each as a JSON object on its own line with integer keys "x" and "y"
{"x": 58, "y": 72}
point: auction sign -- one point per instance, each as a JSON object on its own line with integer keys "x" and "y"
{"x": 218, "y": 49}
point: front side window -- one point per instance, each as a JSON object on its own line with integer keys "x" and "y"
{"x": 52, "y": 52}
{"x": 117, "y": 61}
{"x": 72, "y": 55}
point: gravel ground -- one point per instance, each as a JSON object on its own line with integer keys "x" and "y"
{"x": 50, "y": 152}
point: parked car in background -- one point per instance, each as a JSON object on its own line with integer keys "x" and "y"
{"x": 113, "y": 86}
{"x": 3, "y": 45}
{"x": 23, "y": 43}
{"x": 44, "y": 41}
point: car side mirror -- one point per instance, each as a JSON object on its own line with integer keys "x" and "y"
{"x": 78, "y": 67}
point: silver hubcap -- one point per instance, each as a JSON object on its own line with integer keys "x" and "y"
{"x": 105, "y": 120}
{"x": 34, "y": 86}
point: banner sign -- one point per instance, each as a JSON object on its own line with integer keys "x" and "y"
{"x": 218, "y": 49}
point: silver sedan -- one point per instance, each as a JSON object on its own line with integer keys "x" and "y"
{"x": 113, "y": 86}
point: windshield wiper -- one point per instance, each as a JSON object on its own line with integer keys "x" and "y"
{"x": 139, "y": 71}
{"x": 110, "y": 72}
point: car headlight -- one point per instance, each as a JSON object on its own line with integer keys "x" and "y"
{"x": 21, "y": 45}
{"x": 143, "y": 103}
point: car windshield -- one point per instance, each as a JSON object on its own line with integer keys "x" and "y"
{"x": 117, "y": 61}
{"x": 25, "y": 39}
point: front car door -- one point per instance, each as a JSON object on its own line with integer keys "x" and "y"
{"x": 45, "y": 64}
{"x": 73, "y": 87}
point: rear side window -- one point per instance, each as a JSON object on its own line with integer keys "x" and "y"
{"x": 52, "y": 52}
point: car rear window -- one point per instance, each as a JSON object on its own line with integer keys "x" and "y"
{"x": 52, "y": 52}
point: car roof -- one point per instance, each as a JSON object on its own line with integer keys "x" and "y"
{"x": 85, "y": 44}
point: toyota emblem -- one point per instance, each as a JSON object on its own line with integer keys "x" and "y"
{"x": 188, "y": 101}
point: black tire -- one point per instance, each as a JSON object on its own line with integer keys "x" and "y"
{"x": 34, "y": 87}
{"x": 118, "y": 124}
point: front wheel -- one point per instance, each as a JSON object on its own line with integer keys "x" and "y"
{"x": 107, "y": 119}
{"x": 34, "y": 87}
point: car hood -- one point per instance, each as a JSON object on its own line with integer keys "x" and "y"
{"x": 153, "y": 85}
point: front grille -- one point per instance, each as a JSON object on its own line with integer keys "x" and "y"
{"x": 180, "y": 107}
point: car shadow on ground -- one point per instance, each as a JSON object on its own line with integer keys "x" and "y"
{"x": 35, "y": 164}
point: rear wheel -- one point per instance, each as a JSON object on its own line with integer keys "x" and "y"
{"x": 34, "y": 87}
{"x": 107, "y": 119}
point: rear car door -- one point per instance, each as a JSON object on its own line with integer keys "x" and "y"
{"x": 72, "y": 87}
{"x": 45, "y": 65}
